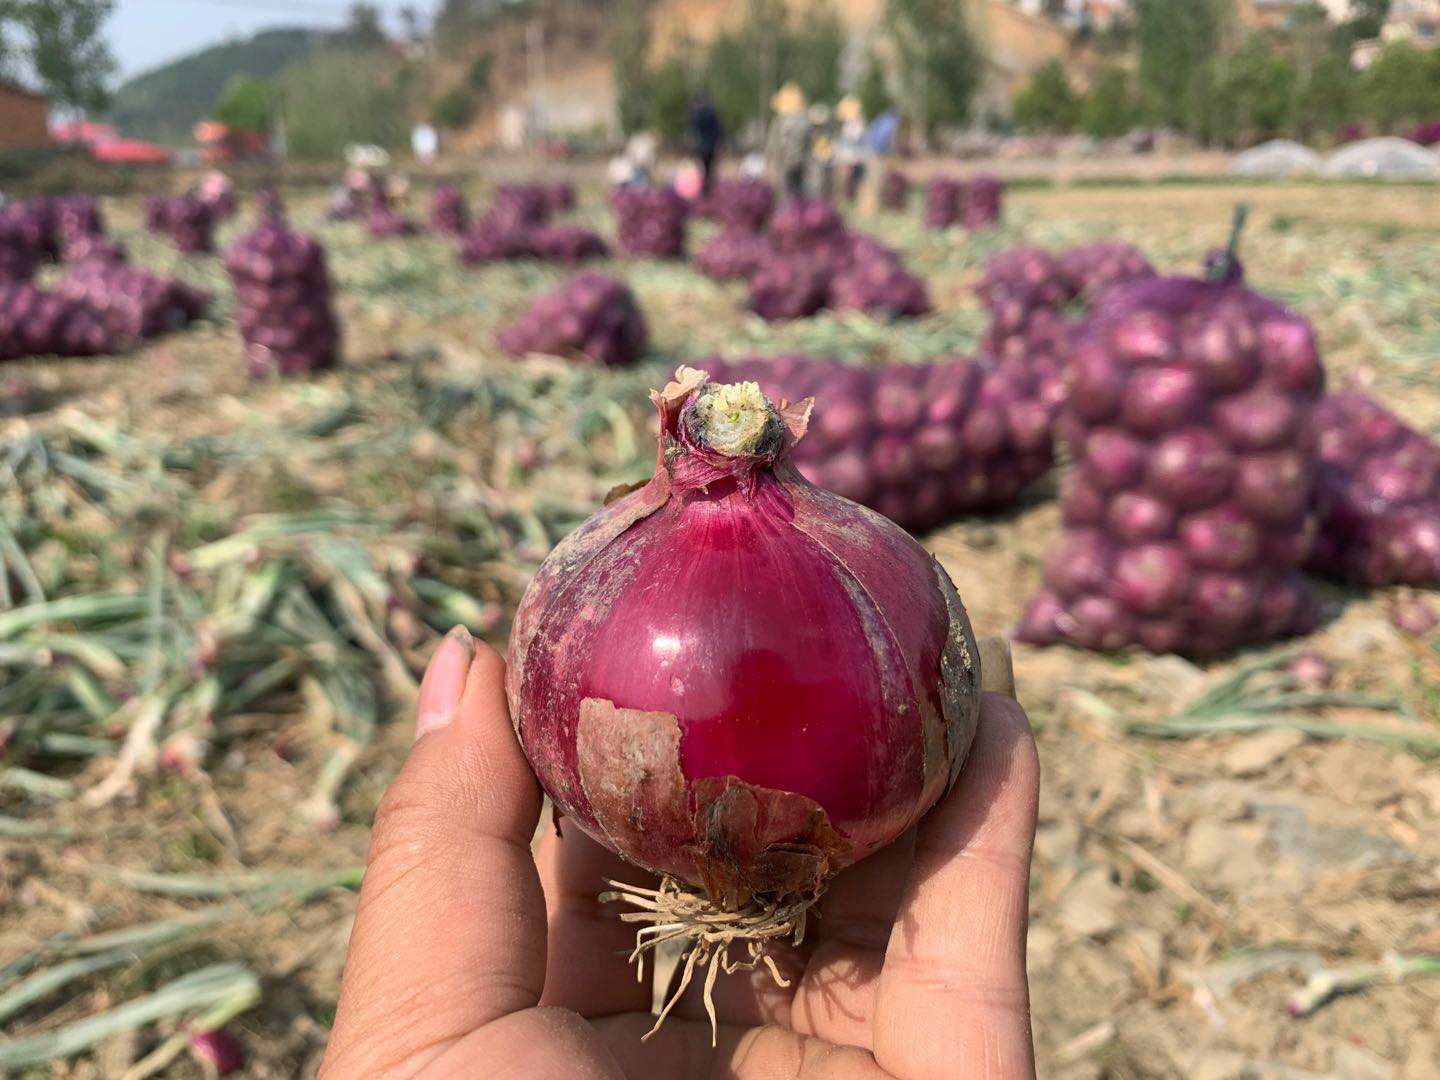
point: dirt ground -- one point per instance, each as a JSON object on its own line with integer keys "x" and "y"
{"x": 1183, "y": 889}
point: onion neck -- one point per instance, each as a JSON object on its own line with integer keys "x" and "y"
{"x": 734, "y": 420}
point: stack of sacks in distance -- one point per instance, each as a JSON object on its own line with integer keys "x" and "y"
{"x": 649, "y": 221}
{"x": 894, "y": 190}
{"x": 518, "y": 226}
{"x": 383, "y": 220}
{"x": 591, "y": 317}
{"x": 282, "y": 299}
{"x": 187, "y": 220}
{"x": 809, "y": 260}
{"x": 975, "y": 203}
{"x": 449, "y": 215}
{"x": 922, "y": 444}
{"x": 1188, "y": 507}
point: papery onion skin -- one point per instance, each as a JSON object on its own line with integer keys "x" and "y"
{"x": 737, "y": 679}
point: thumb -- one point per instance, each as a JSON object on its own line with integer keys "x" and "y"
{"x": 451, "y": 919}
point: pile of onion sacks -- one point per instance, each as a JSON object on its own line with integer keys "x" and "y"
{"x": 1188, "y": 506}
{"x": 591, "y": 317}
{"x": 449, "y": 214}
{"x": 676, "y": 709}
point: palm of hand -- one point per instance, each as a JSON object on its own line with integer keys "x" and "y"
{"x": 473, "y": 956}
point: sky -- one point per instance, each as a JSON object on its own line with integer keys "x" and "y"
{"x": 146, "y": 33}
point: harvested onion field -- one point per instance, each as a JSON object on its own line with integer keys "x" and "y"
{"x": 221, "y": 594}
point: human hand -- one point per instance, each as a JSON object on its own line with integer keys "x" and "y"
{"x": 473, "y": 956}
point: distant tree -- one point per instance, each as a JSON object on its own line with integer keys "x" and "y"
{"x": 671, "y": 86}
{"x": 60, "y": 43}
{"x": 1108, "y": 108}
{"x": 940, "y": 64}
{"x": 1178, "y": 42}
{"x": 333, "y": 98}
{"x": 411, "y": 22}
{"x": 874, "y": 92}
{"x": 1254, "y": 94}
{"x": 629, "y": 54}
{"x": 731, "y": 74}
{"x": 477, "y": 75}
{"x": 1366, "y": 19}
{"x": 362, "y": 28}
{"x": 245, "y": 104}
{"x": 812, "y": 46}
{"x": 453, "y": 109}
{"x": 1325, "y": 97}
{"x": 1047, "y": 102}
{"x": 1402, "y": 85}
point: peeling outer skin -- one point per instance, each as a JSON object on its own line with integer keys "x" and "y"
{"x": 749, "y": 840}
{"x": 960, "y": 679}
{"x": 756, "y": 841}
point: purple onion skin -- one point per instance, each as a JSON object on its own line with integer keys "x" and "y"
{"x": 1190, "y": 416}
{"x": 748, "y": 716}
{"x": 650, "y": 222}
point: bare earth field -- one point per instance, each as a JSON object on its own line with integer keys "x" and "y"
{"x": 1184, "y": 887}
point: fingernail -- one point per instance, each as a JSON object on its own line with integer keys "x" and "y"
{"x": 444, "y": 682}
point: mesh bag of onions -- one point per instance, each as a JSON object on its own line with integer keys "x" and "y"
{"x": 894, "y": 190}
{"x": 1187, "y": 509}
{"x": 77, "y": 223}
{"x": 282, "y": 300}
{"x": 560, "y": 196}
{"x": 38, "y": 322}
{"x": 921, "y": 443}
{"x": 590, "y": 317}
{"x": 649, "y": 221}
{"x": 495, "y": 238}
{"x": 874, "y": 281}
{"x": 981, "y": 202}
{"x": 1378, "y": 495}
{"x": 133, "y": 304}
{"x": 807, "y": 225}
{"x": 690, "y": 722}
{"x": 189, "y": 221}
{"x": 733, "y": 254}
{"x": 942, "y": 202}
{"x": 567, "y": 243}
{"x": 742, "y": 204}
{"x": 19, "y": 258}
{"x": 449, "y": 216}
{"x": 384, "y": 222}
{"x": 522, "y": 205}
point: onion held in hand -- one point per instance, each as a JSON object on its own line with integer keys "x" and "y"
{"x": 738, "y": 680}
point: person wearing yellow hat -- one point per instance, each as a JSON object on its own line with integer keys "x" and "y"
{"x": 787, "y": 146}
{"x": 850, "y": 150}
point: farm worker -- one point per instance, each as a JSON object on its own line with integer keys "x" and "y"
{"x": 636, "y": 163}
{"x": 787, "y": 147}
{"x": 706, "y": 134}
{"x": 476, "y": 954}
{"x": 850, "y": 149}
{"x": 822, "y": 150}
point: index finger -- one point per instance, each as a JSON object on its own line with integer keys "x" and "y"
{"x": 953, "y": 992}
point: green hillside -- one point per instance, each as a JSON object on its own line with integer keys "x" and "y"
{"x": 165, "y": 103}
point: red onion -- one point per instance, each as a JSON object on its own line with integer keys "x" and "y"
{"x": 36, "y": 322}
{"x": 806, "y": 225}
{"x": 187, "y": 220}
{"x": 1191, "y": 481}
{"x": 494, "y": 238}
{"x": 132, "y": 303}
{"x": 790, "y": 287}
{"x": 384, "y": 222}
{"x": 591, "y": 317}
{"x": 676, "y": 709}
{"x": 218, "y": 1049}
{"x": 569, "y": 244}
{"x": 1414, "y": 616}
{"x": 523, "y": 205}
{"x": 1378, "y": 495}
{"x": 283, "y": 300}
